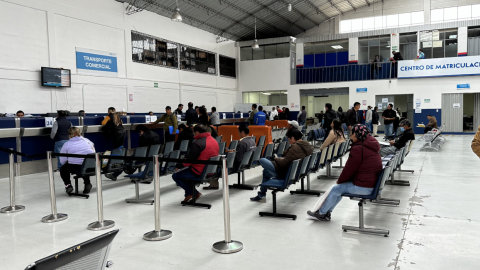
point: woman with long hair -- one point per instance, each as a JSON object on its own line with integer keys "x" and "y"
{"x": 203, "y": 116}
{"x": 113, "y": 128}
{"x": 336, "y": 134}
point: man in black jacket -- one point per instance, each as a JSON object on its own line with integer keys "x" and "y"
{"x": 330, "y": 115}
{"x": 59, "y": 133}
{"x": 401, "y": 141}
{"x": 352, "y": 118}
{"x": 186, "y": 133}
{"x": 388, "y": 116}
{"x": 375, "y": 119}
{"x": 147, "y": 136}
{"x": 179, "y": 110}
{"x": 191, "y": 115}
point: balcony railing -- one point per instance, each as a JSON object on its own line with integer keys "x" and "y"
{"x": 361, "y": 72}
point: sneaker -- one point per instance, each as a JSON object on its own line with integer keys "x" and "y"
{"x": 188, "y": 198}
{"x": 258, "y": 199}
{"x": 375, "y": 135}
{"x": 69, "y": 189}
{"x": 329, "y": 215}
{"x": 210, "y": 188}
{"x": 87, "y": 189}
{"x": 111, "y": 176}
{"x": 317, "y": 216}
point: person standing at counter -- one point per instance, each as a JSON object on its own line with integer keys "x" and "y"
{"x": 191, "y": 115}
{"x": 214, "y": 117}
{"x": 20, "y": 114}
{"x": 59, "y": 133}
{"x": 113, "y": 128}
{"x": 260, "y": 117}
{"x": 169, "y": 119}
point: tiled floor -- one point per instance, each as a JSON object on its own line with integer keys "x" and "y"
{"x": 436, "y": 226}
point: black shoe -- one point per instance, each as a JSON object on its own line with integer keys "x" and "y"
{"x": 317, "y": 216}
{"x": 69, "y": 189}
{"x": 329, "y": 215}
{"x": 87, "y": 189}
{"x": 111, "y": 176}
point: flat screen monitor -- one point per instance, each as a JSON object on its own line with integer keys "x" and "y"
{"x": 56, "y": 77}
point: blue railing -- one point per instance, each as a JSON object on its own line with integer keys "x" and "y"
{"x": 362, "y": 72}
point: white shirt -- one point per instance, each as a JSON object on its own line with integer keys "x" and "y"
{"x": 273, "y": 114}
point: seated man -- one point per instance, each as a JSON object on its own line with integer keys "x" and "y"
{"x": 203, "y": 148}
{"x": 260, "y": 117}
{"x": 246, "y": 144}
{"x": 147, "y": 137}
{"x": 185, "y": 133}
{"x": 75, "y": 145}
{"x": 360, "y": 174}
{"x": 432, "y": 123}
{"x": 278, "y": 168}
{"x": 408, "y": 135}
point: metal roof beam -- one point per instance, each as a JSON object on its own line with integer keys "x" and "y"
{"x": 333, "y": 5}
{"x": 249, "y": 14}
{"x": 350, "y": 3}
{"x": 312, "y": 6}
{"x": 200, "y": 23}
{"x": 267, "y": 7}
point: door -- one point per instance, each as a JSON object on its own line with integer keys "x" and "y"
{"x": 452, "y": 113}
{"x": 473, "y": 46}
{"x": 379, "y": 100}
{"x": 476, "y": 111}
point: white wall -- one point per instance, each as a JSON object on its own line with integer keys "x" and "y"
{"x": 36, "y": 33}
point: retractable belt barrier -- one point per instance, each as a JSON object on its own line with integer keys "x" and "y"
{"x": 12, "y": 208}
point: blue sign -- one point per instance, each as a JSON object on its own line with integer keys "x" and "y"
{"x": 463, "y": 86}
{"x": 361, "y": 90}
{"x": 96, "y": 62}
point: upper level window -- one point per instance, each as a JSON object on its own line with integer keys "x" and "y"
{"x": 154, "y": 51}
{"x": 452, "y": 14}
{"x": 330, "y": 53}
{"x": 268, "y": 51}
{"x": 227, "y": 66}
{"x": 439, "y": 43}
{"x": 197, "y": 60}
{"x": 381, "y": 22}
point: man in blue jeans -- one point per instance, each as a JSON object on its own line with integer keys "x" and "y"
{"x": 388, "y": 117}
{"x": 278, "y": 168}
{"x": 59, "y": 133}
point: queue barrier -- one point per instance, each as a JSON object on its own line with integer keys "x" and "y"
{"x": 12, "y": 208}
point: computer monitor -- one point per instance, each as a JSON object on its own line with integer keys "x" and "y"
{"x": 91, "y": 255}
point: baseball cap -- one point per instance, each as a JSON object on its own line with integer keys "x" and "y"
{"x": 294, "y": 124}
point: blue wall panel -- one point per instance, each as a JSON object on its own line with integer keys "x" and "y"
{"x": 331, "y": 59}
{"x": 342, "y": 58}
{"x": 320, "y": 60}
{"x": 308, "y": 61}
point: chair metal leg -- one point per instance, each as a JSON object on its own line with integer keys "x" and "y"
{"x": 328, "y": 168}
{"x": 361, "y": 224}
{"x": 242, "y": 185}
{"x": 394, "y": 182}
{"x": 76, "y": 193}
{"x": 193, "y": 202}
{"x": 137, "y": 196}
{"x": 274, "y": 213}
{"x": 400, "y": 170}
{"x": 307, "y": 191}
{"x": 341, "y": 165}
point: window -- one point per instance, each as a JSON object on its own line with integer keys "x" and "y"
{"x": 267, "y": 98}
{"x": 408, "y": 45}
{"x": 439, "y": 43}
{"x": 369, "y": 47}
{"x": 197, "y": 60}
{"x": 269, "y": 51}
{"x": 227, "y": 66}
{"x": 321, "y": 54}
{"x": 154, "y": 51}
{"x": 452, "y": 14}
{"x": 382, "y": 22}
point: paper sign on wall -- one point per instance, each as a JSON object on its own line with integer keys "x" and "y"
{"x": 49, "y": 121}
{"x": 426, "y": 100}
{"x": 95, "y": 62}
{"x": 364, "y": 102}
{"x": 380, "y": 106}
{"x": 384, "y": 100}
{"x": 130, "y": 97}
{"x": 224, "y": 116}
{"x": 456, "y": 105}
{"x": 418, "y": 110}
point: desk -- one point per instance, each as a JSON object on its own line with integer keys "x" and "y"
{"x": 229, "y": 133}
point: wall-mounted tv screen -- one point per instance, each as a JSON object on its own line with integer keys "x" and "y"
{"x": 56, "y": 77}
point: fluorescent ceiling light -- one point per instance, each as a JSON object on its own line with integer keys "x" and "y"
{"x": 268, "y": 94}
{"x": 337, "y": 47}
{"x": 452, "y": 36}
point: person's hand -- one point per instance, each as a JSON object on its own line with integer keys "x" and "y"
{"x": 391, "y": 142}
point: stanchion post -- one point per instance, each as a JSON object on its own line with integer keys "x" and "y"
{"x": 13, "y": 207}
{"x": 158, "y": 234}
{"x": 101, "y": 224}
{"x": 54, "y": 217}
{"x": 228, "y": 245}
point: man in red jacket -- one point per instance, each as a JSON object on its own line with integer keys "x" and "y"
{"x": 203, "y": 148}
{"x": 360, "y": 174}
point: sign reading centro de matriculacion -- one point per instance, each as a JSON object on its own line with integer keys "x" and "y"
{"x": 96, "y": 62}
{"x": 439, "y": 67}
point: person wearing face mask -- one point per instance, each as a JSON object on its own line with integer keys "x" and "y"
{"x": 401, "y": 141}
{"x": 359, "y": 176}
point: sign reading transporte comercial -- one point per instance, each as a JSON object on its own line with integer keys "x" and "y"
{"x": 94, "y": 62}
{"x": 439, "y": 67}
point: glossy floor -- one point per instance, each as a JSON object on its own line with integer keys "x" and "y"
{"x": 436, "y": 226}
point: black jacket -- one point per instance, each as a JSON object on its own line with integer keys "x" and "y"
{"x": 330, "y": 115}
{"x": 245, "y": 145}
{"x": 375, "y": 117}
{"x": 203, "y": 119}
{"x": 148, "y": 138}
{"x": 389, "y": 114}
{"x": 401, "y": 141}
{"x": 191, "y": 116}
{"x": 186, "y": 134}
{"x": 60, "y": 128}
{"x": 178, "y": 111}
{"x": 397, "y": 56}
{"x": 352, "y": 117}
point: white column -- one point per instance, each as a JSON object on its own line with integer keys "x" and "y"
{"x": 395, "y": 42}
{"x": 299, "y": 55}
{"x": 353, "y": 50}
{"x": 426, "y": 11}
{"x": 462, "y": 41}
